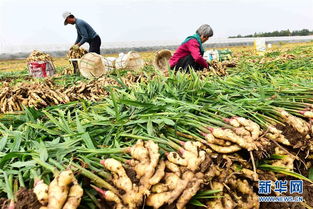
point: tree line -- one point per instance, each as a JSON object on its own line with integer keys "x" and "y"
{"x": 303, "y": 32}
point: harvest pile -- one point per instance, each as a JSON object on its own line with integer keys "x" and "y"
{"x": 218, "y": 68}
{"x": 44, "y": 94}
{"x": 38, "y": 56}
{"x": 173, "y": 142}
{"x": 162, "y": 181}
{"x": 76, "y": 53}
{"x": 40, "y": 94}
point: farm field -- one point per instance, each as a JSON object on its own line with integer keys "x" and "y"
{"x": 142, "y": 139}
{"x": 20, "y": 64}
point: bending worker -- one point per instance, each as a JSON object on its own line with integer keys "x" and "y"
{"x": 85, "y": 33}
{"x": 190, "y": 53}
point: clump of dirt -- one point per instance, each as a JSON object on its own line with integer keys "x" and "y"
{"x": 4, "y": 203}
{"x": 265, "y": 151}
{"x": 26, "y": 199}
{"x": 300, "y": 143}
{"x": 291, "y": 134}
{"x": 132, "y": 175}
{"x": 307, "y": 193}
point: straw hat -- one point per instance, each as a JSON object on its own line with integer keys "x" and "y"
{"x": 91, "y": 65}
{"x": 161, "y": 59}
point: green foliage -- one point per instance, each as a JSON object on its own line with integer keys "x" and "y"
{"x": 303, "y": 32}
{"x": 84, "y": 132}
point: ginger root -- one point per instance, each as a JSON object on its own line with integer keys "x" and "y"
{"x": 276, "y": 135}
{"x": 59, "y": 188}
{"x": 60, "y": 194}
{"x": 41, "y": 190}
{"x": 231, "y": 136}
{"x": 297, "y": 123}
{"x": 286, "y": 162}
{"x": 190, "y": 191}
{"x": 149, "y": 170}
{"x": 74, "y": 197}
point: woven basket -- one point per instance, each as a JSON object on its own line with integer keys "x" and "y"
{"x": 91, "y": 65}
{"x": 161, "y": 59}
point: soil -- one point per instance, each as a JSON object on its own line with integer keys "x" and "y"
{"x": 265, "y": 152}
{"x": 291, "y": 134}
{"x": 132, "y": 175}
{"x": 4, "y": 203}
{"x": 26, "y": 199}
{"x": 207, "y": 162}
{"x": 298, "y": 141}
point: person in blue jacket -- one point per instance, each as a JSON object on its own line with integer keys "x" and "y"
{"x": 85, "y": 33}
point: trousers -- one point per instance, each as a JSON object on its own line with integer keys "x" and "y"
{"x": 186, "y": 63}
{"x": 94, "y": 45}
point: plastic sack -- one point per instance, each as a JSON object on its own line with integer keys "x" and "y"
{"x": 210, "y": 55}
{"x": 225, "y": 54}
{"x": 109, "y": 63}
{"x": 260, "y": 46}
{"x": 217, "y": 55}
{"x": 131, "y": 60}
{"x": 41, "y": 68}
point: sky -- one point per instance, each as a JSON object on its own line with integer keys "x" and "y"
{"x": 39, "y": 22}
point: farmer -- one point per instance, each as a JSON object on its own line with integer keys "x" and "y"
{"x": 189, "y": 53}
{"x": 85, "y": 33}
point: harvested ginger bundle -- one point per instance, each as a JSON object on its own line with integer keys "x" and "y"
{"x": 62, "y": 193}
{"x": 38, "y": 56}
{"x": 149, "y": 170}
{"x": 76, "y": 53}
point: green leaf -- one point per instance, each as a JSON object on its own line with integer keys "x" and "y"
{"x": 207, "y": 192}
{"x": 43, "y": 152}
{"x": 41, "y": 127}
{"x": 208, "y": 197}
{"x": 311, "y": 174}
{"x": 150, "y": 129}
{"x": 197, "y": 203}
{"x": 110, "y": 111}
{"x": 30, "y": 163}
{"x": 277, "y": 157}
{"x": 11, "y": 156}
{"x": 85, "y": 135}
{"x": 120, "y": 81}
{"x": 136, "y": 104}
{"x": 136, "y": 122}
{"x": 8, "y": 186}
{"x": 55, "y": 121}
{"x": 17, "y": 142}
{"x": 283, "y": 170}
{"x": 116, "y": 108}
{"x": 3, "y": 142}
{"x": 169, "y": 122}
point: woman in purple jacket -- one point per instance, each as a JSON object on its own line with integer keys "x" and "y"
{"x": 190, "y": 53}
